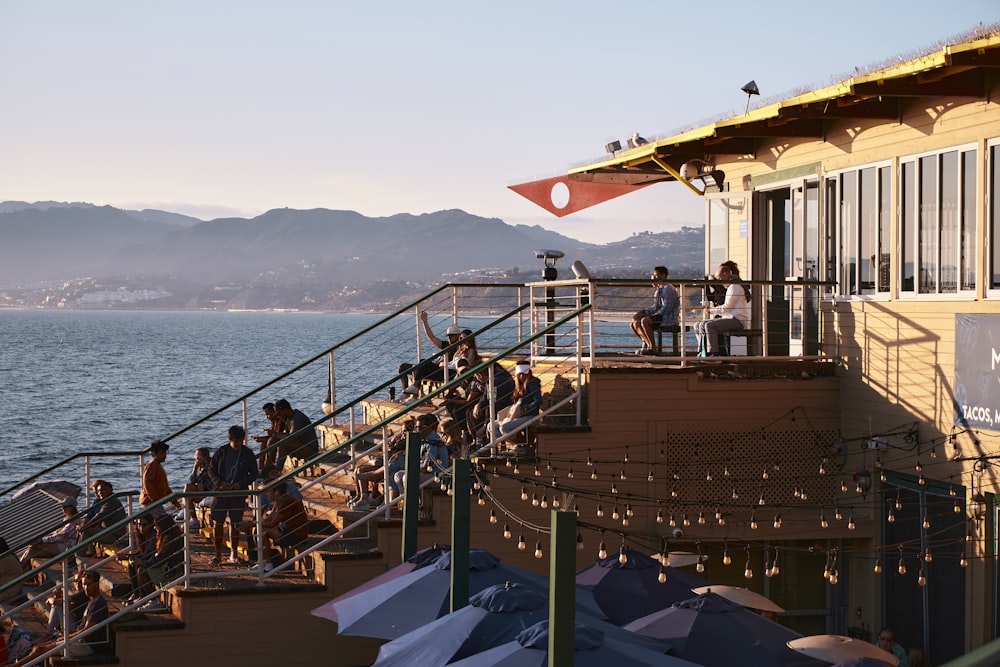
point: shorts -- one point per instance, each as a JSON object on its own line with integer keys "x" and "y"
{"x": 288, "y": 538}
{"x": 235, "y": 515}
{"x": 656, "y": 318}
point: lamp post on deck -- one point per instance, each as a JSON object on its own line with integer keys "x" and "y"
{"x": 549, "y": 274}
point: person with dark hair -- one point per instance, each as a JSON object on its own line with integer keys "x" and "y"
{"x": 95, "y": 612}
{"x": 104, "y": 513}
{"x": 275, "y": 428}
{"x": 732, "y": 315}
{"x": 527, "y": 399}
{"x": 200, "y": 479}
{"x": 154, "y": 479}
{"x": 233, "y": 467}
{"x": 886, "y": 641}
{"x": 299, "y": 435}
{"x": 663, "y": 312}
{"x": 501, "y": 392}
{"x": 285, "y": 525}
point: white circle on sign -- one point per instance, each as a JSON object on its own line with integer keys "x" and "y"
{"x": 559, "y": 195}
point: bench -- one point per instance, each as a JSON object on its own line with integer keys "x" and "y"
{"x": 676, "y": 335}
{"x": 737, "y": 343}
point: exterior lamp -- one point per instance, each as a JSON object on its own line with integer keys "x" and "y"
{"x": 977, "y": 507}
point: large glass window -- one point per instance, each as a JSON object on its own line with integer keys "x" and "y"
{"x": 938, "y": 211}
{"x": 993, "y": 215}
{"x": 862, "y": 215}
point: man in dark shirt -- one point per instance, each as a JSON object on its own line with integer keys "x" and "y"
{"x": 106, "y": 512}
{"x": 233, "y": 467}
{"x": 95, "y": 612}
{"x": 302, "y": 443}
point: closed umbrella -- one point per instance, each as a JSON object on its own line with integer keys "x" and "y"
{"x": 592, "y": 648}
{"x": 714, "y": 632}
{"x": 626, "y": 591}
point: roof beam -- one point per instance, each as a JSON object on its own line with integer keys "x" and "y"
{"x": 621, "y": 176}
{"x": 967, "y": 83}
{"x": 708, "y": 146}
{"x": 974, "y": 58}
{"x": 846, "y": 107}
{"x": 793, "y": 128}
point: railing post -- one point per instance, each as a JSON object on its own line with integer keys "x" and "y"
{"x": 187, "y": 543}
{"x": 258, "y": 511}
{"x": 333, "y": 383}
{"x": 87, "y": 481}
{"x": 411, "y": 492}
{"x": 460, "y": 521}
{"x": 562, "y": 587}
{"x": 386, "y": 480}
{"x": 65, "y": 607}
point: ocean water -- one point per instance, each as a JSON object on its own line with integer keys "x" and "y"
{"x": 105, "y": 381}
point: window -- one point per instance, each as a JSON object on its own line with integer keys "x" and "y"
{"x": 993, "y": 215}
{"x": 859, "y": 209}
{"x": 938, "y": 223}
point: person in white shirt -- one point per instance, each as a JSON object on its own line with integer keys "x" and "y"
{"x": 732, "y": 315}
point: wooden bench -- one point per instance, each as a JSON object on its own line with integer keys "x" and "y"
{"x": 737, "y": 343}
{"x": 676, "y": 335}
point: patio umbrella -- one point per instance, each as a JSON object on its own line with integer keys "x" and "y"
{"x": 837, "y": 648}
{"x": 418, "y": 560}
{"x": 741, "y": 596}
{"x": 58, "y": 490}
{"x": 592, "y": 648}
{"x": 626, "y": 591}
{"x": 495, "y": 615}
{"x": 393, "y": 608}
{"x": 714, "y": 632}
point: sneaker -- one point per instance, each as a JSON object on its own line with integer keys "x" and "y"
{"x": 647, "y": 352}
{"x": 179, "y": 517}
{"x": 642, "y": 349}
{"x": 361, "y": 507}
{"x": 267, "y": 567}
{"x": 152, "y": 606}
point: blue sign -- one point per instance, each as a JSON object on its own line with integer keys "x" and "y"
{"x": 977, "y": 371}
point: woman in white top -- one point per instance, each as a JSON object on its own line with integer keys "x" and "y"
{"x": 732, "y": 315}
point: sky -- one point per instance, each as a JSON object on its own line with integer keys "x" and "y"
{"x": 225, "y": 108}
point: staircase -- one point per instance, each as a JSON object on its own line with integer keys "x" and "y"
{"x": 345, "y": 547}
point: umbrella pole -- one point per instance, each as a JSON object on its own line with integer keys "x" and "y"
{"x": 562, "y": 588}
{"x": 460, "y": 523}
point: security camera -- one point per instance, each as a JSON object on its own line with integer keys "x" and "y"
{"x": 678, "y": 533}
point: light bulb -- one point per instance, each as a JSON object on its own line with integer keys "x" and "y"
{"x": 662, "y": 578}
{"x": 701, "y": 518}
{"x": 506, "y": 531}
{"x": 843, "y": 486}
{"x": 673, "y": 491}
{"x": 555, "y": 502}
{"x": 628, "y": 510}
{"x": 614, "y": 488}
{"x": 927, "y": 522}
{"x": 726, "y": 559}
{"x": 753, "y": 522}
{"x": 735, "y": 496}
{"x": 902, "y": 567}
{"x": 774, "y": 568}
{"x": 614, "y": 513}
{"x": 579, "y": 541}
{"x": 962, "y": 562}
{"x": 593, "y": 475}
{"x": 822, "y": 467}
{"x": 517, "y": 469}
{"x": 838, "y": 515}
{"x": 649, "y": 477}
{"x": 700, "y": 567}
{"x": 718, "y": 512}
{"x": 623, "y": 474}
{"x": 927, "y": 555}
{"x": 672, "y": 522}
{"x": 921, "y": 481}
{"x": 957, "y": 508}
{"x": 602, "y": 551}
{"x": 878, "y": 566}
{"x": 777, "y": 520}
{"x": 850, "y": 523}
{"x": 600, "y": 511}
{"x": 921, "y": 579}
{"x": 534, "y": 500}
{"x": 538, "y": 549}
{"x": 622, "y": 555}
{"x": 482, "y": 501}
{"x": 722, "y": 520}
{"x": 659, "y": 516}
{"x": 761, "y": 500}
{"x": 685, "y": 520}
{"x": 524, "y": 493}
{"x": 834, "y": 578}
{"x": 764, "y": 475}
{"x": 521, "y": 546}
{"x": 891, "y": 518}
{"x": 748, "y": 573}
{"x": 569, "y": 473}
{"x": 544, "y": 504}
{"x": 822, "y": 521}
{"x": 493, "y": 516}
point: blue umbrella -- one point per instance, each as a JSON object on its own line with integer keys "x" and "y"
{"x": 592, "y": 648}
{"x": 418, "y": 560}
{"x": 495, "y": 615}
{"x": 626, "y": 591}
{"x": 714, "y": 632}
{"x": 393, "y": 608}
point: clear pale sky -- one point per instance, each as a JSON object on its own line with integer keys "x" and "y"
{"x": 215, "y": 108}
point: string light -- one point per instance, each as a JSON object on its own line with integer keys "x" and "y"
{"x": 614, "y": 512}
{"x": 524, "y": 493}
{"x": 672, "y": 522}
{"x": 506, "y": 531}
{"x": 774, "y": 566}
{"x": 623, "y": 476}
{"x": 538, "y": 473}
{"x": 735, "y": 496}
{"x": 600, "y": 511}
{"x": 534, "y": 500}
{"x": 927, "y": 522}
{"x": 521, "y": 546}
{"x": 726, "y": 558}
{"x": 569, "y": 474}
{"x": 843, "y": 486}
{"x": 927, "y": 555}
{"x": 579, "y": 540}
{"x": 700, "y": 567}
{"x": 748, "y": 572}
{"x": 822, "y": 466}
{"x": 838, "y": 515}
{"x": 850, "y": 523}
{"x": 921, "y": 579}
{"x": 493, "y": 516}
{"x": 482, "y": 500}
{"x": 878, "y": 566}
{"x": 662, "y": 577}
{"x": 649, "y": 477}
{"x": 602, "y": 549}
{"x": 708, "y": 477}
{"x": 822, "y": 520}
{"x": 701, "y": 518}
{"x": 767, "y": 563}
{"x": 685, "y": 520}
{"x": 544, "y": 502}
{"x": 902, "y": 563}
{"x": 753, "y": 520}
{"x": 622, "y": 554}
{"x": 628, "y": 510}
{"x": 538, "y": 549}
{"x": 659, "y": 516}
{"x": 777, "y": 520}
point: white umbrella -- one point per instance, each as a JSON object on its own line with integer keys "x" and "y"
{"x": 744, "y": 597}
{"x": 837, "y": 648}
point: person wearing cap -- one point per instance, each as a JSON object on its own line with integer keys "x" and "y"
{"x": 56, "y": 542}
{"x": 412, "y": 374}
{"x": 527, "y": 400}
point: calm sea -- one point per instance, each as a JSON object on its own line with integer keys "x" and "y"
{"x": 73, "y": 381}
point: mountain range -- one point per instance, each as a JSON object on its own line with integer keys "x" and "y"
{"x": 77, "y": 244}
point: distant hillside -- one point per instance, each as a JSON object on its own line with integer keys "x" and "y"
{"x": 296, "y": 254}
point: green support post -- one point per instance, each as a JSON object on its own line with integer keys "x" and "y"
{"x": 562, "y": 588}
{"x": 411, "y": 495}
{"x": 460, "y": 522}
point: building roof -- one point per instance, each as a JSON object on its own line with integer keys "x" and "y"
{"x": 966, "y": 69}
